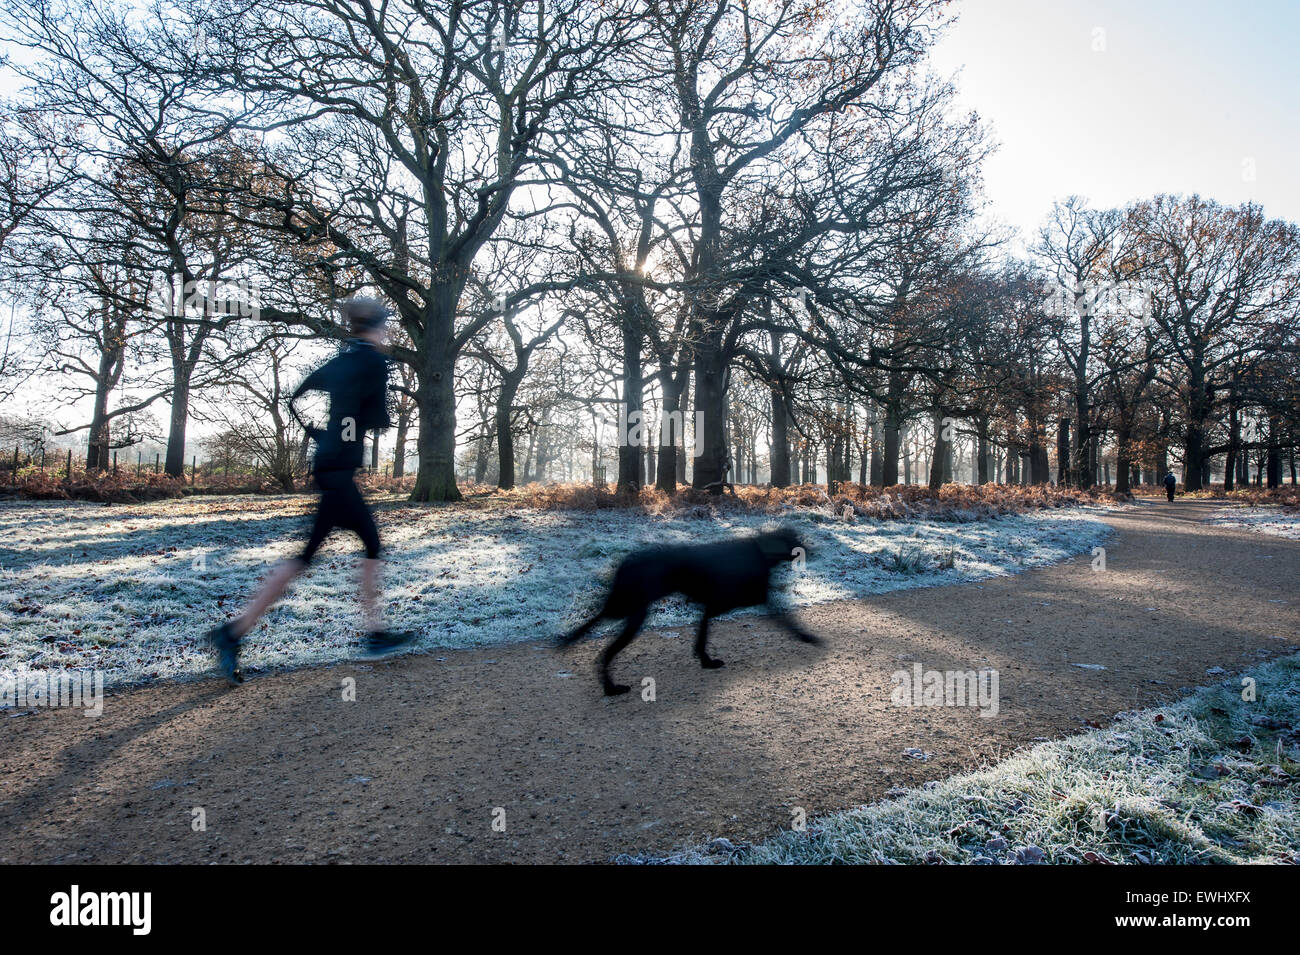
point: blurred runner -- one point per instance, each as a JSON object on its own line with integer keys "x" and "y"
{"x": 356, "y": 381}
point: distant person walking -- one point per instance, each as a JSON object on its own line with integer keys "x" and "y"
{"x": 356, "y": 381}
{"x": 1171, "y": 482}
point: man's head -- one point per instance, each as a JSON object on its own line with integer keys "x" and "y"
{"x": 366, "y": 317}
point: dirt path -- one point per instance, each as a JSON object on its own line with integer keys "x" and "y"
{"x": 412, "y": 771}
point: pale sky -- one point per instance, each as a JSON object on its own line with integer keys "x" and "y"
{"x": 1116, "y": 101}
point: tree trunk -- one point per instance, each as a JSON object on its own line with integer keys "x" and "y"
{"x": 399, "y": 449}
{"x": 1123, "y": 461}
{"x": 906, "y": 452}
{"x": 180, "y": 414}
{"x": 940, "y": 453}
{"x": 780, "y": 451}
{"x": 1063, "y": 452}
{"x": 528, "y": 457}
{"x": 631, "y": 453}
{"x": 1083, "y": 463}
{"x": 982, "y": 450}
{"x": 710, "y": 418}
{"x": 1194, "y": 444}
{"x": 505, "y": 434}
{"x": 672, "y": 428}
{"x": 684, "y": 402}
{"x": 436, "y": 400}
{"x": 1274, "y": 465}
{"x": 1234, "y": 443}
{"x": 97, "y": 444}
{"x": 1039, "y": 467}
{"x": 542, "y": 463}
{"x": 481, "y": 446}
{"x": 893, "y": 440}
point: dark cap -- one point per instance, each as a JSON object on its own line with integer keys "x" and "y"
{"x": 363, "y": 313}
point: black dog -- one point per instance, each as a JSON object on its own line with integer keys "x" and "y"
{"x": 720, "y": 576}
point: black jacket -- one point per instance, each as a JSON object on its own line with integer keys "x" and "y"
{"x": 356, "y": 379}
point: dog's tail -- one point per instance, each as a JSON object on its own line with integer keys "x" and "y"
{"x": 576, "y": 635}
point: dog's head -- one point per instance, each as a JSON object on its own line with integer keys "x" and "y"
{"x": 780, "y": 545}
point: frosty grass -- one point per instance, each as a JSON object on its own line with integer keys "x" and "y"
{"x": 131, "y": 589}
{"x": 1265, "y": 519}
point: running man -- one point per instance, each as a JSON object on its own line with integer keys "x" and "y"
{"x": 356, "y": 381}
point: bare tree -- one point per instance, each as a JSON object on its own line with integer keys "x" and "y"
{"x": 1078, "y": 246}
{"x": 1217, "y": 277}
{"x": 404, "y": 134}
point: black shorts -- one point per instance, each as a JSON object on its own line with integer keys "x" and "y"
{"x": 341, "y": 505}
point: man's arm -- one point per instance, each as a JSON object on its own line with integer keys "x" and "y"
{"x": 313, "y": 382}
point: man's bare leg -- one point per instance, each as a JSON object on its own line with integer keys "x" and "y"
{"x": 226, "y": 637}
{"x": 370, "y": 594}
{"x": 379, "y": 641}
{"x": 269, "y": 593}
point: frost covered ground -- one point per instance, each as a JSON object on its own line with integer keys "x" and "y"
{"x": 1265, "y": 519}
{"x": 130, "y": 589}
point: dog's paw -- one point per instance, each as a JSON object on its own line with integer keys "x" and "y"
{"x": 616, "y": 689}
{"x": 711, "y": 663}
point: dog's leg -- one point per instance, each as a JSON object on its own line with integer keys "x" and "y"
{"x": 581, "y": 632}
{"x": 623, "y": 639}
{"x": 701, "y": 645}
{"x": 796, "y": 631}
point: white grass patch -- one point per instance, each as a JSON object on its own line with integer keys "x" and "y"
{"x": 131, "y": 589}
{"x": 1263, "y": 519}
